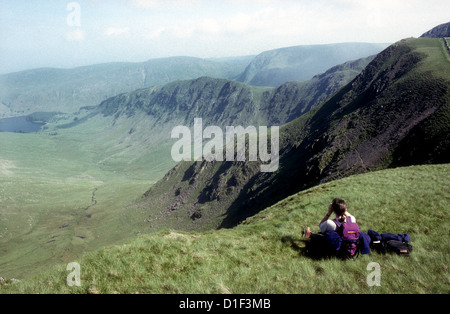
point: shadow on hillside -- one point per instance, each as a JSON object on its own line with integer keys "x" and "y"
{"x": 303, "y": 247}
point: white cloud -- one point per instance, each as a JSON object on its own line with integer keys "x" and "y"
{"x": 116, "y": 31}
{"x": 256, "y": 25}
{"x": 76, "y": 35}
{"x": 151, "y": 4}
{"x": 210, "y": 26}
{"x": 183, "y": 31}
{"x": 157, "y": 33}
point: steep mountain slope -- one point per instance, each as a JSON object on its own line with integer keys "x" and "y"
{"x": 66, "y": 90}
{"x": 293, "y": 99}
{"x": 396, "y": 112}
{"x": 439, "y": 31}
{"x": 301, "y": 63}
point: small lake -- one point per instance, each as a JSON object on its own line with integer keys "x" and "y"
{"x": 20, "y": 125}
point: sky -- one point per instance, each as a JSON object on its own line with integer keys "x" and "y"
{"x": 67, "y": 34}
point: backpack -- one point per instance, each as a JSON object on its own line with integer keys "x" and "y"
{"x": 349, "y": 233}
{"x": 398, "y": 247}
{"x": 375, "y": 242}
{"x": 390, "y": 242}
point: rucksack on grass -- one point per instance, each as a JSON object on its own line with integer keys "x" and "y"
{"x": 390, "y": 243}
{"x": 349, "y": 233}
{"x": 398, "y": 247}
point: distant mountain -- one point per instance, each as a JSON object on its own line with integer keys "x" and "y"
{"x": 301, "y": 63}
{"x": 308, "y": 94}
{"x": 66, "y": 90}
{"x": 215, "y": 100}
{"x": 440, "y": 31}
{"x": 395, "y": 113}
{"x": 139, "y": 123}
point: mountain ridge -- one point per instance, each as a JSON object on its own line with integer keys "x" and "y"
{"x": 140, "y": 122}
{"x": 440, "y": 31}
{"x": 301, "y": 63}
{"x": 68, "y": 90}
{"x": 365, "y": 126}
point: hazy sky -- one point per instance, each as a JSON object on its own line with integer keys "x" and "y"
{"x": 61, "y": 33}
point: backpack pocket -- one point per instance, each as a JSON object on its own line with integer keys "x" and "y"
{"x": 398, "y": 247}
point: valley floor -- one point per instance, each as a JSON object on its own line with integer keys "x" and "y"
{"x": 56, "y": 203}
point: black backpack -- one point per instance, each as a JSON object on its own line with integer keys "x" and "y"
{"x": 398, "y": 247}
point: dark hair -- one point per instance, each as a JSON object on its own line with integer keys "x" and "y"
{"x": 339, "y": 207}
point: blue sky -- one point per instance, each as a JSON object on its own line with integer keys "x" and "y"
{"x": 64, "y": 34}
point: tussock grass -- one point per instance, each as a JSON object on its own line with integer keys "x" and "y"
{"x": 264, "y": 254}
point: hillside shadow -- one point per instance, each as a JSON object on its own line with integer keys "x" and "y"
{"x": 304, "y": 248}
{"x": 293, "y": 243}
{"x": 262, "y": 190}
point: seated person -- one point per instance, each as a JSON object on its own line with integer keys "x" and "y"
{"x": 339, "y": 208}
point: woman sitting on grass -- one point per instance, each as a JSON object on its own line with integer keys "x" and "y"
{"x": 339, "y": 208}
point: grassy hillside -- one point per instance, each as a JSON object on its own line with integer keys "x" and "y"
{"x": 265, "y": 253}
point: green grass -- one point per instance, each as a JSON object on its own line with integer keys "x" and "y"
{"x": 264, "y": 254}
{"x": 47, "y": 211}
{"x": 438, "y": 58}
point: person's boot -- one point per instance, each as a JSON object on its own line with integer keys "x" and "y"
{"x": 307, "y": 233}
